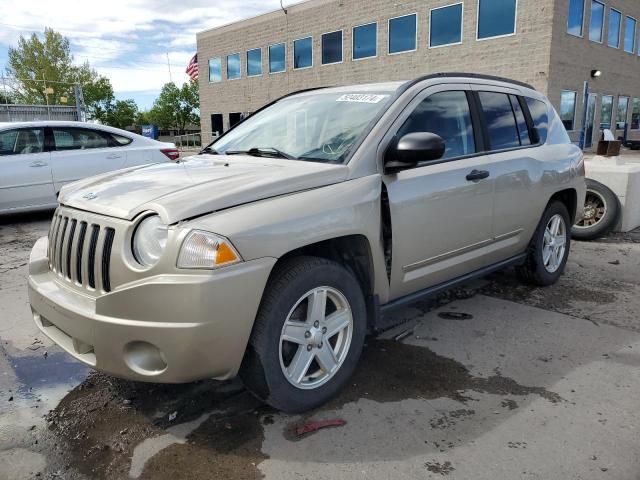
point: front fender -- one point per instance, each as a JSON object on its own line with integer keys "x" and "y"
{"x": 276, "y": 226}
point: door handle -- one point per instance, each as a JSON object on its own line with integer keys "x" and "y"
{"x": 477, "y": 175}
{"x": 113, "y": 156}
{"x": 38, "y": 164}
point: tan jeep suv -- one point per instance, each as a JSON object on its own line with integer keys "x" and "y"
{"x": 275, "y": 250}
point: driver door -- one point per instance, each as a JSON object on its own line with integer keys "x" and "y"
{"x": 441, "y": 214}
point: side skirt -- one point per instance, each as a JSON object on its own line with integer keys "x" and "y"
{"x": 381, "y": 321}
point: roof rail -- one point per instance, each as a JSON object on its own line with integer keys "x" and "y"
{"x": 479, "y": 76}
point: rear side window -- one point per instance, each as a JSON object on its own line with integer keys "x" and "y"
{"x": 80, "y": 139}
{"x": 540, "y": 117}
{"x": 500, "y": 119}
{"x": 120, "y": 140}
{"x": 446, "y": 114}
{"x": 523, "y": 129}
{"x": 22, "y": 141}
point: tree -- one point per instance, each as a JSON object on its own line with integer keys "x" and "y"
{"x": 176, "y": 108}
{"x": 45, "y": 73}
{"x": 121, "y": 113}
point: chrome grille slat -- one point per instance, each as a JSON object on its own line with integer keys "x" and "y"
{"x": 106, "y": 258}
{"x": 59, "y": 240}
{"x": 52, "y": 235}
{"x": 69, "y": 251}
{"x": 80, "y": 249}
{"x": 91, "y": 256}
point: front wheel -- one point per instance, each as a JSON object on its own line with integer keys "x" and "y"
{"x": 308, "y": 335}
{"x": 549, "y": 247}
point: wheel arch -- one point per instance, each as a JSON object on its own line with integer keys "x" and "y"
{"x": 568, "y": 197}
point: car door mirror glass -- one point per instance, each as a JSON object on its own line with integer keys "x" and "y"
{"x": 412, "y": 149}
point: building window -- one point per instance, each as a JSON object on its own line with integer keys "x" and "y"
{"x": 215, "y": 69}
{"x": 597, "y": 21}
{"x": 217, "y": 126}
{"x": 332, "y": 47}
{"x": 303, "y": 53}
{"x": 233, "y": 66}
{"x": 498, "y": 113}
{"x": 402, "y": 34}
{"x": 496, "y": 18}
{"x": 575, "y": 21}
{"x": 621, "y": 115}
{"x": 568, "y": 109}
{"x": 630, "y": 35}
{"x": 445, "y": 26}
{"x": 277, "y": 58}
{"x": 606, "y": 111}
{"x": 365, "y": 41}
{"x": 613, "y": 34}
{"x": 635, "y": 114}
{"x": 254, "y": 62}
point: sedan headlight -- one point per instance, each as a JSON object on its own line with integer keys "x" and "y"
{"x": 149, "y": 241}
{"x": 206, "y": 250}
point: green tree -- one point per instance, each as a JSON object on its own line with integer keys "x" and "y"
{"x": 176, "y": 108}
{"x": 45, "y": 73}
{"x": 121, "y": 113}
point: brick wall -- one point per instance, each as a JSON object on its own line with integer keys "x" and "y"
{"x": 524, "y": 56}
{"x": 573, "y": 58}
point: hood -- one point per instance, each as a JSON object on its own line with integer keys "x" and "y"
{"x": 196, "y": 185}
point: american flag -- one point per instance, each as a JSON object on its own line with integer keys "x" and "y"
{"x": 192, "y": 68}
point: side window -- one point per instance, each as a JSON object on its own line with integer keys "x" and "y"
{"x": 540, "y": 116}
{"x": 22, "y": 141}
{"x": 80, "y": 139}
{"x": 446, "y": 114}
{"x": 523, "y": 129}
{"x": 500, "y": 119}
{"x": 120, "y": 140}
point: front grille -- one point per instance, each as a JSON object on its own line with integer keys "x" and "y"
{"x": 80, "y": 251}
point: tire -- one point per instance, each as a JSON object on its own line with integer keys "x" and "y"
{"x": 602, "y": 209}
{"x": 268, "y": 368}
{"x": 535, "y": 269}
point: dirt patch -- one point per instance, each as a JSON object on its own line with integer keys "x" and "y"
{"x": 391, "y": 371}
{"x": 443, "y": 469}
{"x": 97, "y": 426}
{"x": 101, "y": 421}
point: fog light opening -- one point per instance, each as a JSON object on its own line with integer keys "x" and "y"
{"x": 144, "y": 358}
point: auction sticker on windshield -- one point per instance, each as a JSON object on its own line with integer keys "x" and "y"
{"x": 361, "y": 98}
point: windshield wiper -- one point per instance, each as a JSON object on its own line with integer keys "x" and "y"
{"x": 210, "y": 150}
{"x": 262, "y": 152}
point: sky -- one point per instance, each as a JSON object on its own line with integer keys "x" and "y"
{"x": 126, "y": 40}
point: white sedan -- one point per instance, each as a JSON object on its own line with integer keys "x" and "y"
{"x": 38, "y": 158}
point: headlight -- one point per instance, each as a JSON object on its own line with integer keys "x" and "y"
{"x": 149, "y": 241}
{"x": 206, "y": 250}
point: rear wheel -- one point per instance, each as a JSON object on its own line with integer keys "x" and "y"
{"x": 601, "y": 210}
{"x": 549, "y": 248}
{"x": 308, "y": 335}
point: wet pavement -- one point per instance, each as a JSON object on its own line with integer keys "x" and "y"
{"x": 494, "y": 381}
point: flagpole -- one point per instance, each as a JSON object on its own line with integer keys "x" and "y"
{"x": 169, "y": 67}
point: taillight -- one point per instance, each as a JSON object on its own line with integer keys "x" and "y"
{"x": 171, "y": 153}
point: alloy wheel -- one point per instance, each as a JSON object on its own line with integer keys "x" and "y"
{"x": 315, "y": 338}
{"x": 554, "y": 244}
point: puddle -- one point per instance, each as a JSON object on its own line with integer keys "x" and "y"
{"x": 218, "y": 429}
{"x": 36, "y": 373}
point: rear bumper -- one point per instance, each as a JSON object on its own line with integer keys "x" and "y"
{"x": 166, "y": 328}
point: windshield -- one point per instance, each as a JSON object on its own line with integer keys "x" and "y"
{"x": 316, "y": 127}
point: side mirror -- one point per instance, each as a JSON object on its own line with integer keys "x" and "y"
{"x": 412, "y": 149}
